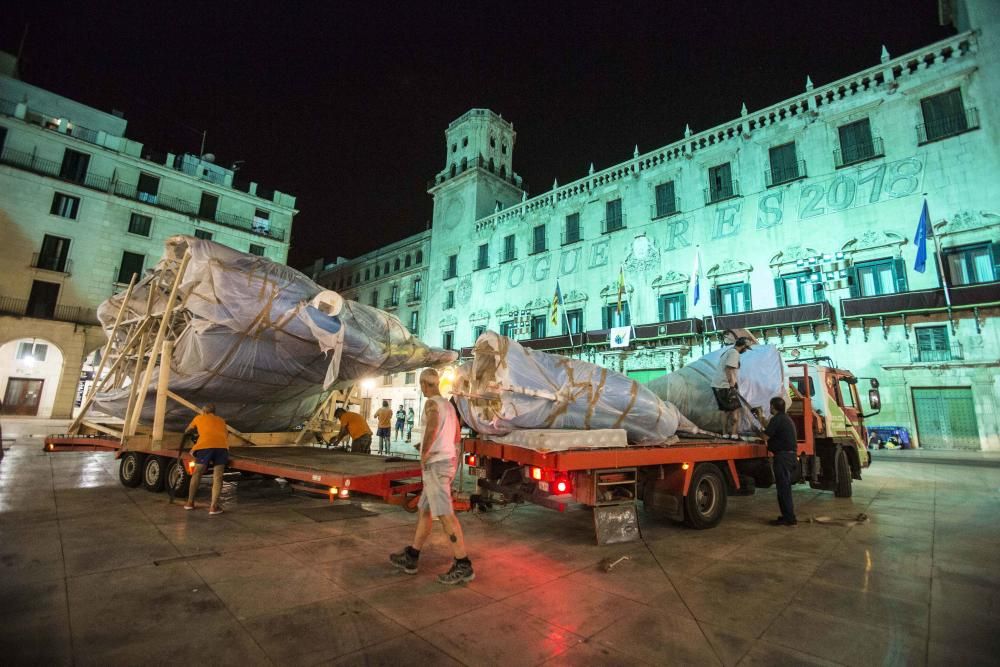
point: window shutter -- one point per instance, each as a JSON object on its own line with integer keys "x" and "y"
{"x": 682, "y": 310}
{"x": 662, "y": 302}
{"x": 852, "y": 281}
{"x": 746, "y": 297}
{"x": 779, "y": 291}
{"x": 899, "y": 273}
{"x": 713, "y": 295}
{"x": 995, "y": 251}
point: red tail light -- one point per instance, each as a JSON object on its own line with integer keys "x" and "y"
{"x": 562, "y": 486}
{"x": 471, "y": 459}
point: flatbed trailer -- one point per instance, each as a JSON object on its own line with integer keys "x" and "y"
{"x": 689, "y": 480}
{"x": 333, "y": 472}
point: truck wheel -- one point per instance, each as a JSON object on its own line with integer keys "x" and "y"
{"x": 177, "y": 478}
{"x": 705, "y": 502}
{"x": 152, "y": 474}
{"x": 843, "y": 468}
{"x": 130, "y": 469}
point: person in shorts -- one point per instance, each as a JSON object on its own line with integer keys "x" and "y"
{"x": 438, "y": 462}
{"x": 725, "y": 386}
{"x": 400, "y": 423}
{"x": 384, "y": 432}
{"x": 212, "y": 448}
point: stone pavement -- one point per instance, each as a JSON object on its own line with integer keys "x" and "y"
{"x": 94, "y": 573}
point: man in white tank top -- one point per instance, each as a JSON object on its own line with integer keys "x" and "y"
{"x": 438, "y": 460}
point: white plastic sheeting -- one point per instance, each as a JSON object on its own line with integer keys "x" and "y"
{"x": 259, "y": 339}
{"x": 507, "y": 387}
{"x": 762, "y": 376}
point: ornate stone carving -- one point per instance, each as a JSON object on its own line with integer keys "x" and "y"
{"x": 643, "y": 254}
{"x": 464, "y": 292}
{"x": 447, "y": 321}
{"x": 793, "y": 254}
{"x": 728, "y": 267}
{"x": 967, "y": 221}
{"x": 670, "y": 278}
{"x": 479, "y": 316}
{"x": 874, "y": 239}
{"x": 611, "y": 290}
{"x": 538, "y": 304}
{"x": 574, "y": 296}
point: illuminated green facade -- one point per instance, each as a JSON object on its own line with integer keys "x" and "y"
{"x": 804, "y": 216}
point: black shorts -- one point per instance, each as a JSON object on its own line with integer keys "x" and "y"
{"x": 728, "y": 398}
{"x": 384, "y": 432}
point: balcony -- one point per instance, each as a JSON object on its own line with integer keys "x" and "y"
{"x": 51, "y": 263}
{"x": 31, "y": 162}
{"x": 688, "y": 327}
{"x": 507, "y": 255}
{"x": 391, "y": 303}
{"x": 722, "y": 192}
{"x": 779, "y": 175}
{"x": 571, "y": 236}
{"x": 74, "y": 314}
{"x": 953, "y": 353}
{"x": 481, "y": 264}
{"x": 448, "y": 304}
{"x": 538, "y": 248}
{"x": 809, "y": 315}
{"x": 853, "y": 154}
{"x": 948, "y": 126}
{"x": 480, "y": 163}
{"x": 414, "y": 297}
{"x": 922, "y": 301}
{"x": 663, "y": 209}
{"x": 609, "y": 225}
{"x": 449, "y": 273}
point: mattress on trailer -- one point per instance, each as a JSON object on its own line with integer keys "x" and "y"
{"x": 558, "y": 440}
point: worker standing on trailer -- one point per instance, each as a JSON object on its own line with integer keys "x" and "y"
{"x": 725, "y": 386}
{"x": 438, "y": 461}
{"x": 782, "y": 441}
{"x": 353, "y": 424}
{"x": 384, "y": 417}
{"x": 212, "y": 447}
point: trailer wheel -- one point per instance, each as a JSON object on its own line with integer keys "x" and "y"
{"x": 130, "y": 469}
{"x": 843, "y": 469}
{"x": 705, "y": 502}
{"x": 177, "y": 478}
{"x": 152, "y": 474}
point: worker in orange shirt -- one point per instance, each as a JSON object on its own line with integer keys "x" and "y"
{"x": 384, "y": 417}
{"x": 212, "y": 447}
{"x": 354, "y": 425}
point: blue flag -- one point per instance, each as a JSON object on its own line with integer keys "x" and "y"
{"x": 920, "y": 240}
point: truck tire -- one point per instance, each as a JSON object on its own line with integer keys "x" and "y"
{"x": 843, "y": 469}
{"x": 130, "y": 469}
{"x": 177, "y": 478}
{"x": 705, "y": 502}
{"x": 153, "y": 474}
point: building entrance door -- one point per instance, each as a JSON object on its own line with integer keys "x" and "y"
{"x": 946, "y": 418}
{"x": 22, "y": 397}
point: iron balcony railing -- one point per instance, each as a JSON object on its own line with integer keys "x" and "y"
{"x": 481, "y": 263}
{"x": 948, "y": 126}
{"x": 722, "y": 191}
{"x": 391, "y": 302}
{"x": 449, "y": 273}
{"x": 859, "y": 152}
{"x": 664, "y": 207}
{"x": 770, "y": 318}
{"x": 74, "y": 314}
{"x": 613, "y": 224}
{"x": 537, "y": 248}
{"x": 507, "y": 255}
{"x": 953, "y": 353}
{"x": 52, "y": 263}
{"x": 414, "y": 297}
{"x": 448, "y": 304}
{"x": 780, "y": 174}
{"x": 571, "y": 236}
{"x": 978, "y": 295}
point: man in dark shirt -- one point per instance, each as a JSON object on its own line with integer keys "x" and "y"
{"x": 781, "y": 442}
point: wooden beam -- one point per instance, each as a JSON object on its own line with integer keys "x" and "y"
{"x": 162, "y": 384}
{"x": 102, "y": 428}
{"x": 194, "y": 408}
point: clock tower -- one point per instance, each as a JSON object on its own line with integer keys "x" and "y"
{"x": 477, "y": 179}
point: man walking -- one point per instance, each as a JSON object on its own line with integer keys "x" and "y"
{"x": 384, "y": 417}
{"x": 400, "y": 422}
{"x": 438, "y": 460}
{"x": 353, "y": 424}
{"x": 212, "y": 447}
{"x": 725, "y": 386}
{"x": 781, "y": 441}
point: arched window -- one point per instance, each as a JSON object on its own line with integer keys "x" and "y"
{"x": 395, "y": 265}
{"x": 465, "y": 163}
{"x": 503, "y": 171}
{"x": 493, "y": 166}
{"x": 407, "y": 261}
{"x": 386, "y": 271}
{"x": 419, "y": 258}
{"x": 378, "y": 270}
{"x": 453, "y": 169}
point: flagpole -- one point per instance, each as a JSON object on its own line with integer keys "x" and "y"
{"x": 940, "y": 263}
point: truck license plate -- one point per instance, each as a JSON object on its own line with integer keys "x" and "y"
{"x": 543, "y": 486}
{"x": 478, "y": 472}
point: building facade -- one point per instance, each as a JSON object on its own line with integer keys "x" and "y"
{"x": 83, "y": 208}
{"x": 393, "y": 278}
{"x": 796, "y": 222}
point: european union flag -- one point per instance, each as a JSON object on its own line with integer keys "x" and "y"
{"x": 920, "y": 240}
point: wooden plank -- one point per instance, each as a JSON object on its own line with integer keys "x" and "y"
{"x": 191, "y": 406}
{"x": 102, "y": 428}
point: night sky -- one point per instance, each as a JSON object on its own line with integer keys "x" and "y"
{"x": 345, "y": 106}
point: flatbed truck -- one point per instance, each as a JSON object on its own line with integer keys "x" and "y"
{"x": 689, "y": 481}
